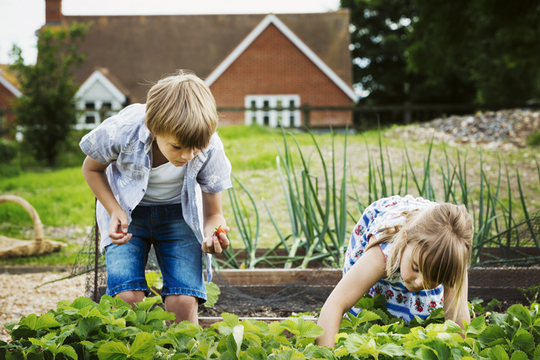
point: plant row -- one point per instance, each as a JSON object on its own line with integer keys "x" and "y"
{"x": 316, "y": 192}
{"x": 112, "y": 330}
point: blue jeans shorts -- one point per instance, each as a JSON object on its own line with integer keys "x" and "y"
{"x": 177, "y": 250}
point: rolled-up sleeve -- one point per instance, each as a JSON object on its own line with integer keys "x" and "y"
{"x": 215, "y": 175}
{"x": 101, "y": 144}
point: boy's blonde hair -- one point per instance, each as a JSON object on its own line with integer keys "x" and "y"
{"x": 182, "y": 105}
{"x": 441, "y": 237}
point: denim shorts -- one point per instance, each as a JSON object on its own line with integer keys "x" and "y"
{"x": 177, "y": 250}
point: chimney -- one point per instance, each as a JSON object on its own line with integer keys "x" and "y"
{"x": 53, "y": 12}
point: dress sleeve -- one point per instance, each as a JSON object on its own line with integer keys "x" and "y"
{"x": 215, "y": 175}
{"x": 102, "y": 143}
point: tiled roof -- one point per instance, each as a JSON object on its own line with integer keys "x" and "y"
{"x": 141, "y": 49}
{"x": 9, "y": 75}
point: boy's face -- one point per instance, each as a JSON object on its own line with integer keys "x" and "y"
{"x": 176, "y": 153}
{"x": 410, "y": 273}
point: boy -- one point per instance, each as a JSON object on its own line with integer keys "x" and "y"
{"x": 147, "y": 167}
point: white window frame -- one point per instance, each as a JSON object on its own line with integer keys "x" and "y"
{"x": 274, "y": 116}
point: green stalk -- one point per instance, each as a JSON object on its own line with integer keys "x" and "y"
{"x": 524, "y": 206}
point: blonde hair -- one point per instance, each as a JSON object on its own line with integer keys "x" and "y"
{"x": 441, "y": 237}
{"x": 182, "y": 105}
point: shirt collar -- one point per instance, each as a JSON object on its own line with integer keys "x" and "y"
{"x": 146, "y": 138}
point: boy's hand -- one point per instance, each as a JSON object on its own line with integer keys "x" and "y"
{"x": 119, "y": 227}
{"x": 217, "y": 242}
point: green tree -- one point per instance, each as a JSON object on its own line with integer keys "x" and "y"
{"x": 46, "y": 109}
{"x": 380, "y": 34}
{"x": 491, "y": 48}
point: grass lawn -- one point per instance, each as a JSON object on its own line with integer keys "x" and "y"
{"x": 64, "y": 201}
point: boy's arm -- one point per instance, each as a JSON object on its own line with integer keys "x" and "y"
{"x": 94, "y": 173}
{"x": 462, "y": 310}
{"x": 369, "y": 269}
{"x": 213, "y": 217}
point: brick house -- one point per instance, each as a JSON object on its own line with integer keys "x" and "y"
{"x": 253, "y": 60}
{"x": 9, "y": 91}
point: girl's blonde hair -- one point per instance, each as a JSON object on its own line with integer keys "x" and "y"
{"x": 441, "y": 237}
{"x": 182, "y": 105}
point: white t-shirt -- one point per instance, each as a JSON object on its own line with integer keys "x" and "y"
{"x": 164, "y": 185}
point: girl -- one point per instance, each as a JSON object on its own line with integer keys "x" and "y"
{"x": 413, "y": 251}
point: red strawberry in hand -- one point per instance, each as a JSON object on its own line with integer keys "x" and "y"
{"x": 219, "y": 230}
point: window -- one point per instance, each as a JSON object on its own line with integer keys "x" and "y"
{"x": 273, "y": 110}
{"x": 90, "y": 119}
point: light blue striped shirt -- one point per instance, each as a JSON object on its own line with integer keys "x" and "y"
{"x": 124, "y": 143}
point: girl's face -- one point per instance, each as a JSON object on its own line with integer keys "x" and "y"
{"x": 176, "y": 153}
{"x": 410, "y": 273}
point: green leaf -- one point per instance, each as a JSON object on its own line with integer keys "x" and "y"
{"x": 256, "y": 353}
{"x": 230, "y": 319}
{"x": 319, "y": 352}
{"x": 441, "y": 349}
{"x": 519, "y": 355}
{"x": 493, "y": 335}
{"x": 476, "y": 326}
{"x": 212, "y": 294}
{"x": 391, "y": 350}
{"x": 68, "y": 350}
{"x": 159, "y": 314}
{"x": 521, "y": 313}
{"x": 143, "y": 347}
{"x": 30, "y": 321}
{"x": 238, "y": 335}
{"x": 46, "y": 321}
{"x": 82, "y": 302}
{"x": 365, "y": 303}
{"x": 523, "y": 340}
{"x": 497, "y": 353}
{"x": 11, "y": 325}
{"x": 113, "y": 351}
{"x": 147, "y": 303}
{"x": 86, "y": 326}
{"x": 425, "y": 353}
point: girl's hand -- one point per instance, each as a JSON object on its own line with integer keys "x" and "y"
{"x": 217, "y": 242}
{"x": 118, "y": 229}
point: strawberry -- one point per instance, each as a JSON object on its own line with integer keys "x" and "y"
{"x": 219, "y": 230}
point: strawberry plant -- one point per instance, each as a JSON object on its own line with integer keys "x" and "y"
{"x": 112, "y": 330}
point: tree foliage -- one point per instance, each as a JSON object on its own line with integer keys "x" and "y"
{"x": 492, "y": 45}
{"x": 435, "y": 51}
{"x": 46, "y": 109}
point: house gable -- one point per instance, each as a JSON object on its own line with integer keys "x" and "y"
{"x": 274, "y": 65}
{"x": 98, "y": 98}
{"x": 99, "y": 87}
{"x": 272, "y": 20}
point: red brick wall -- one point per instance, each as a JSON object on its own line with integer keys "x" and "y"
{"x": 53, "y": 11}
{"x": 273, "y": 65}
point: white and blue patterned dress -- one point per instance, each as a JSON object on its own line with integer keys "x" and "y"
{"x": 400, "y": 302}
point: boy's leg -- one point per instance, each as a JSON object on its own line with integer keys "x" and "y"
{"x": 126, "y": 263}
{"x": 179, "y": 257}
{"x": 184, "y": 307}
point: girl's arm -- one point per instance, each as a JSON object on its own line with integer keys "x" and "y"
{"x": 213, "y": 217}
{"x": 461, "y": 312}
{"x": 369, "y": 269}
{"x": 94, "y": 173}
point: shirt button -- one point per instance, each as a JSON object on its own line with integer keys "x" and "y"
{"x": 142, "y": 190}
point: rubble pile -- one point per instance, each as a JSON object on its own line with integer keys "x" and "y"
{"x": 505, "y": 128}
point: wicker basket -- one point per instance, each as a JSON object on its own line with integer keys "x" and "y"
{"x": 17, "y": 248}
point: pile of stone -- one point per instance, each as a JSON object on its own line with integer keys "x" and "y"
{"x": 505, "y": 128}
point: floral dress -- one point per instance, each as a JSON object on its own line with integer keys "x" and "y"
{"x": 400, "y": 302}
